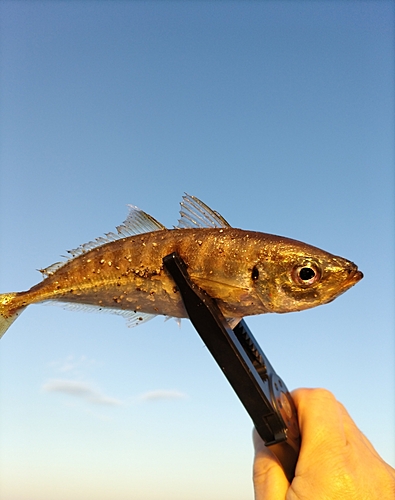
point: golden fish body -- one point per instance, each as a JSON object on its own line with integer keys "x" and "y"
{"x": 246, "y": 272}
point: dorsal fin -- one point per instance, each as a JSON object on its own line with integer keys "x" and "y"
{"x": 51, "y": 269}
{"x": 196, "y": 214}
{"x": 137, "y": 222}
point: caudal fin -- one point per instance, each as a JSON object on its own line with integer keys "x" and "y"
{"x": 7, "y": 317}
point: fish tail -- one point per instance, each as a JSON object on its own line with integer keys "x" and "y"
{"x": 8, "y": 314}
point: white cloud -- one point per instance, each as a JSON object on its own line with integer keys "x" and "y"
{"x": 162, "y": 394}
{"x": 80, "y": 390}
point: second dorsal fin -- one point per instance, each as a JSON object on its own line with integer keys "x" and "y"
{"x": 137, "y": 222}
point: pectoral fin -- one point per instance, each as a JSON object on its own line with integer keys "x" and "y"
{"x": 219, "y": 289}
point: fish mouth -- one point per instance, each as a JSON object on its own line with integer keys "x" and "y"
{"x": 358, "y": 275}
{"x": 354, "y": 276}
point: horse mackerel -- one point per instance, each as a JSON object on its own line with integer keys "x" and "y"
{"x": 246, "y": 272}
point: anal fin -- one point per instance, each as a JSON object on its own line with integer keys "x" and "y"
{"x": 133, "y": 318}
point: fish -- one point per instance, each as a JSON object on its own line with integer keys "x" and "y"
{"x": 246, "y": 272}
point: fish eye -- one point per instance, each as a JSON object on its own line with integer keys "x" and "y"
{"x": 306, "y": 275}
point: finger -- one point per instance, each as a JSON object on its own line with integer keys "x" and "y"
{"x": 320, "y": 421}
{"x": 354, "y": 435}
{"x": 269, "y": 478}
{"x": 319, "y": 414}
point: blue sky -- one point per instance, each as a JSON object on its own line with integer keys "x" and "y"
{"x": 277, "y": 114}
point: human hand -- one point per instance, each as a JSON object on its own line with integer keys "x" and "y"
{"x": 336, "y": 461}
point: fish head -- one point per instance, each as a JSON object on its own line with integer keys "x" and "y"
{"x": 297, "y": 276}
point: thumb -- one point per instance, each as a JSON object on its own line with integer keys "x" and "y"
{"x": 269, "y": 478}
